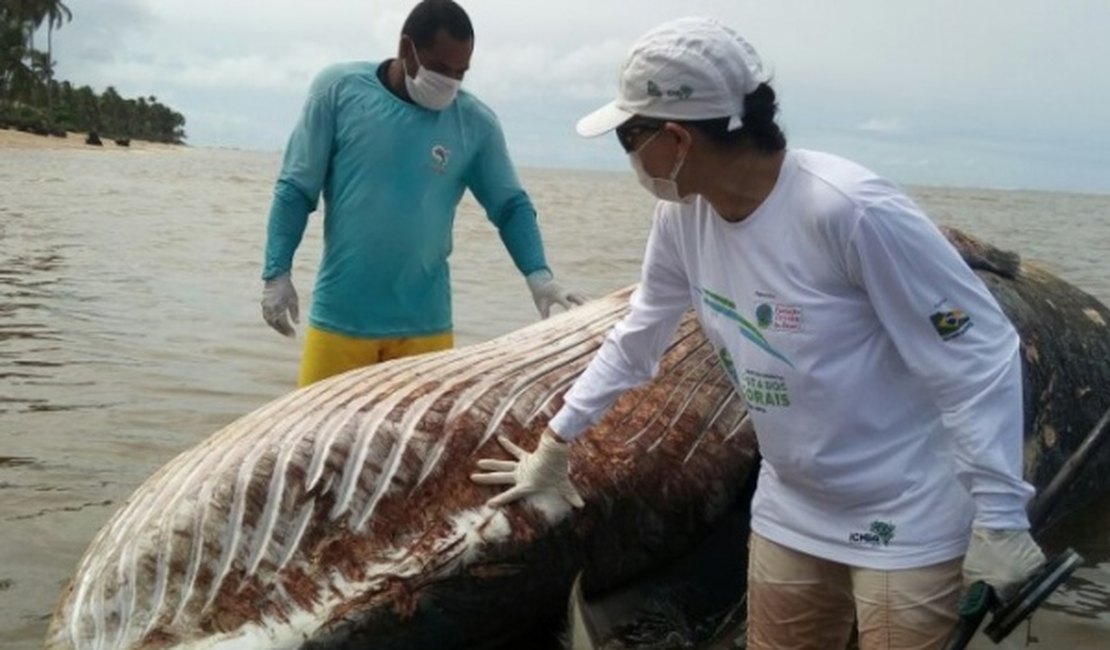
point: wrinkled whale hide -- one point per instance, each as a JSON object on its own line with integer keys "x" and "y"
{"x": 342, "y": 515}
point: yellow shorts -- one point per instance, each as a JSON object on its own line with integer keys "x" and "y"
{"x": 327, "y": 353}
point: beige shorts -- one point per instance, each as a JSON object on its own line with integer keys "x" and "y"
{"x": 800, "y": 602}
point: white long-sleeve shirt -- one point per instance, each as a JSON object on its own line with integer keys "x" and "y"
{"x": 882, "y": 377}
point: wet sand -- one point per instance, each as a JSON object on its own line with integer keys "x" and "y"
{"x": 12, "y": 139}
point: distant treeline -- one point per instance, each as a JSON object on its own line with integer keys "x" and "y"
{"x": 32, "y": 100}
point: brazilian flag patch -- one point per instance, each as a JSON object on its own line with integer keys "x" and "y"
{"x": 950, "y": 324}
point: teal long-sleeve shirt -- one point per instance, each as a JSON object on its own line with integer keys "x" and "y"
{"x": 392, "y": 174}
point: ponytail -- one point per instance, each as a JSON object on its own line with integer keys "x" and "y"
{"x": 758, "y": 126}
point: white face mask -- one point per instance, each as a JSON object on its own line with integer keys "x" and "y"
{"x": 431, "y": 90}
{"x": 664, "y": 189}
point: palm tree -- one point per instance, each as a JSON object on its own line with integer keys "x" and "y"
{"x": 27, "y": 83}
{"x": 22, "y": 17}
{"x": 29, "y": 14}
{"x": 57, "y": 14}
{"x": 13, "y": 41}
{"x": 88, "y": 109}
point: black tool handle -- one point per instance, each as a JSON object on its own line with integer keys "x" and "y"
{"x": 1044, "y": 502}
{"x": 980, "y": 597}
{"x": 975, "y": 604}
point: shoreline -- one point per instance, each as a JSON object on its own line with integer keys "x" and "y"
{"x": 12, "y": 139}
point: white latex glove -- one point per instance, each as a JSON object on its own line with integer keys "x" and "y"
{"x": 547, "y": 469}
{"x": 1003, "y": 559}
{"x": 279, "y": 297}
{"x": 546, "y": 292}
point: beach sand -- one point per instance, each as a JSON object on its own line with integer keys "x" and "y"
{"x": 12, "y": 139}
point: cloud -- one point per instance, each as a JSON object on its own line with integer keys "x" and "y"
{"x": 884, "y": 125}
{"x": 253, "y": 71}
{"x": 544, "y": 71}
{"x": 999, "y": 70}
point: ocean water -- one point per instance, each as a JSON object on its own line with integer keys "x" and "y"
{"x": 130, "y": 330}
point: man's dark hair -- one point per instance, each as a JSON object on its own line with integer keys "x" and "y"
{"x": 757, "y": 128}
{"x": 430, "y": 16}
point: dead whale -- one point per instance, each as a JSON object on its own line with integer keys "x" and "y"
{"x": 342, "y": 515}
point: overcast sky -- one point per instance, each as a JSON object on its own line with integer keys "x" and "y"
{"x": 987, "y": 93}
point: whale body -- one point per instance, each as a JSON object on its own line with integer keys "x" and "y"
{"x": 342, "y": 514}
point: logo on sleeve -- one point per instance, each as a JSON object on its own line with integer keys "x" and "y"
{"x": 950, "y": 324}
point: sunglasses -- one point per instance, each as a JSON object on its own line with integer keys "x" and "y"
{"x": 628, "y": 132}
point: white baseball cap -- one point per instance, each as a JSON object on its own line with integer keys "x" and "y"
{"x": 685, "y": 69}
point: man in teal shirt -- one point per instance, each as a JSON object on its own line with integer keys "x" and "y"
{"x": 393, "y": 146}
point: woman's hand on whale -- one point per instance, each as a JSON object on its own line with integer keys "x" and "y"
{"x": 545, "y": 470}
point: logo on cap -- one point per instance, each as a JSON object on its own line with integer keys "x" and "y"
{"x": 682, "y": 92}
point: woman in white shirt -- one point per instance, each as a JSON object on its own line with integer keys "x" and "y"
{"x": 882, "y": 377}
